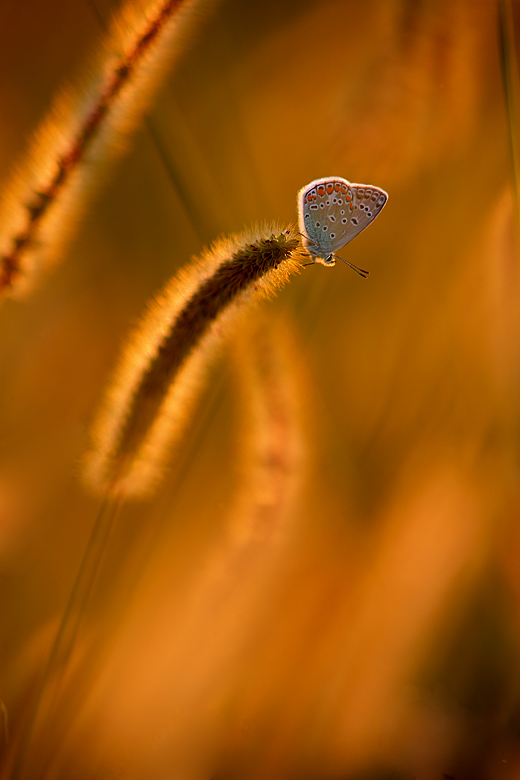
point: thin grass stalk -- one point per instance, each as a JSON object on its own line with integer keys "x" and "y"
{"x": 5, "y": 727}
{"x": 511, "y": 83}
{"x": 85, "y": 128}
{"x": 147, "y": 406}
{"x": 32, "y": 755}
{"x": 183, "y": 328}
{"x": 223, "y": 280}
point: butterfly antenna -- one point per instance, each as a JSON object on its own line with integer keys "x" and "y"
{"x": 359, "y": 271}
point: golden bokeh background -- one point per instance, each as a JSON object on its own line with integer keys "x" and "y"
{"x": 366, "y": 623}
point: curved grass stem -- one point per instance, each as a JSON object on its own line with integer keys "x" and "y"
{"x": 146, "y": 408}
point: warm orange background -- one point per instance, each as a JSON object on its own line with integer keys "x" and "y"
{"x": 377, "y": 635}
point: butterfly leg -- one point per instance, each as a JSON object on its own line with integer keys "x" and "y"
{"x": 313, "y": 262}
{"x": 307, "y": 238}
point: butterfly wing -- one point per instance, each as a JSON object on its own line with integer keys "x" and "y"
{"x": 365, "y": 204}
{"x": 314, "y": 202}
{"x": 332, "y": 211}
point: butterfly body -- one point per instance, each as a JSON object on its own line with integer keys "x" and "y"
{"x": 332, "y": 211}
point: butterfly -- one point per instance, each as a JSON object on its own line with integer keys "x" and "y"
{"x": 331, "y": 212}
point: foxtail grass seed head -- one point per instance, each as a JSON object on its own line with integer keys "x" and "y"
{"x": 274, "y": 391}
{"x": 85, "y": 128}
{"x": 146, "y": 407}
